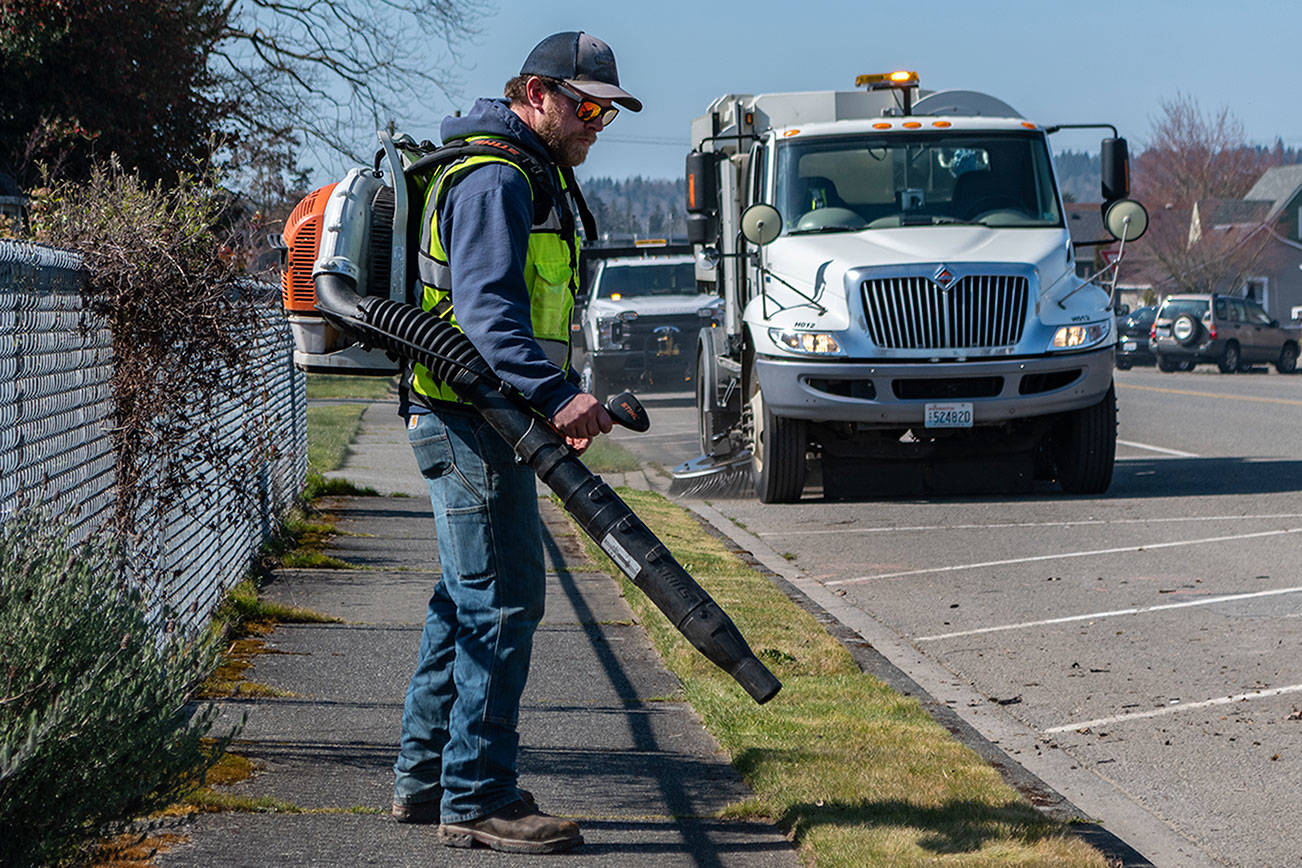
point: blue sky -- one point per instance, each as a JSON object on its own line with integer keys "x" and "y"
{"x": 1056, "y": 62}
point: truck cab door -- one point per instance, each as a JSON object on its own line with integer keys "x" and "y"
{"x": 756, "y": 189}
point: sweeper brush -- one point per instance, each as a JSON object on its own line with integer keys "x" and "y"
{"x": 406, "y": 331}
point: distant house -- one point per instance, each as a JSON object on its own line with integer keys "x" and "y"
{"x": 1277, "y": 278}
{"x": 1266, "y": 219}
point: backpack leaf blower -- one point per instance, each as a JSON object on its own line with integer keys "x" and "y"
{"x": 378, "y": 326}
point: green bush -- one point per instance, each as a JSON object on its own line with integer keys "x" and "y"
{"x": 96, "y": 724}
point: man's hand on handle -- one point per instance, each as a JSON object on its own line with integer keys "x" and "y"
{"x": 582, "y": 418}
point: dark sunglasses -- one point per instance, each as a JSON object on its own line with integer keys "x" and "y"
{"x": 585, "y": 109}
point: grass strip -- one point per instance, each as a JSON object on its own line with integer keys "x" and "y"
{"x": 607, "y": 456}
{"x": 330, "y": 428}
{"x": 856, "y": 772}
{"x": 326, "y": 386}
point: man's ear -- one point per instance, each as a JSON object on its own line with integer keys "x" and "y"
{"x": 535, "y": 91}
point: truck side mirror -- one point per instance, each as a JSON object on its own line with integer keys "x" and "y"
{"x": 702, "y": 196}
{"x": 1125, "y": 219}
{"x": 1114, "y": 160}
{"x": 761, "y": 223}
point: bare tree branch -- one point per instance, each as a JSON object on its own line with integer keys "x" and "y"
{"x": 278, "y": 63}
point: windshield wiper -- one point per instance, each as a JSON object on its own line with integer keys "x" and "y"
{"x": 818, "y": 229}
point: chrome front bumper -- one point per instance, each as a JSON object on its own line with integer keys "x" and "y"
{"x": 998, "y": 389}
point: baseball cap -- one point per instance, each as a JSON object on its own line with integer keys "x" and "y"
{"x": 583, "y": 62}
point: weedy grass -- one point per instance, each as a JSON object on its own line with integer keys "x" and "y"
{"x": 327, "y": 386}
{"x": 858, "y": 773}
{"x": 607, "y": 456}
{"x": 330, "y": 428}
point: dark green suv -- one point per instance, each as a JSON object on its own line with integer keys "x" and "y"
{"x": 1232, "y": 332}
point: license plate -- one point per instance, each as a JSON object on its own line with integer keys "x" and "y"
{"x": 949, "y": 415}
{"x": 1129, "y": 346}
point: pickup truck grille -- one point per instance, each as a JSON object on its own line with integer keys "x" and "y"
{"x": 977, "y": 311}
{"x": 648, "y": 334}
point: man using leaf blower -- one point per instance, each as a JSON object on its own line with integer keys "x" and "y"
{"x": 498, "y": 257}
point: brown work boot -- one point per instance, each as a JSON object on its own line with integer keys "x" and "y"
{"x": 517, "y": 828}
{"x": 422, "y": 813}
{"x": 427, "y": 813}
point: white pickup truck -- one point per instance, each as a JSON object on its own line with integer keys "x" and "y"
{"x": 640, "y": 324}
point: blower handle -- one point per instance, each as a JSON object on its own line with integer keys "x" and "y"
{"x": 628, "y": 411}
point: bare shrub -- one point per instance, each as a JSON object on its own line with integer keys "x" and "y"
{"x": 162, "y": 271}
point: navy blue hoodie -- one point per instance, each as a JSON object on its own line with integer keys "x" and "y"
{"x": 484, "y": 226}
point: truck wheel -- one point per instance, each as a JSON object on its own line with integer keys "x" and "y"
{"x": 710, "y": 423}
{"x": 593, "y": 382}
{"x": 1124, "y": 364}
{"x": 1230, "y": 358}
{"x": 777, "y": 464}
{"x": 1085, "y": 447}
{"x": 1287, "y": 361}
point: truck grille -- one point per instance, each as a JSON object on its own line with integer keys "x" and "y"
{"x": 648, "y": 334}
{"x": 977, "y": 311}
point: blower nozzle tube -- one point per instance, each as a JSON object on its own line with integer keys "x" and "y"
{"x": 421, "y": 337}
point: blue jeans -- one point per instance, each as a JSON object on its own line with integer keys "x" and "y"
{"x": 459, "y": 719}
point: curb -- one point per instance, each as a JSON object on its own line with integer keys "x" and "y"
{"x": 991, "y": 734}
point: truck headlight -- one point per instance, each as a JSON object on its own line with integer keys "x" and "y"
{"x": 610, "y": 332}
{"x": 1075, "y": 337}
{"x": 810, "y": 343}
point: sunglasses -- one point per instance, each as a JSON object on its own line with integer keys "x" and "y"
{"x": 588, "y": 110}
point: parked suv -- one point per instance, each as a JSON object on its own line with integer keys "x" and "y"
{"x": 1132, "y": 338}
{"x": 641, "y": 323}
{"x": 1230, "y": 331}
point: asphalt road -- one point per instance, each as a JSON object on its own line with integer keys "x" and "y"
{"x": 1138, "y": 651}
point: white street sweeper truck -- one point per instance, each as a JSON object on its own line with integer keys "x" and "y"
{"x": 901, "y": 307}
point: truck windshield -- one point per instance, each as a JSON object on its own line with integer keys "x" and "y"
{"x": 928, "y": 179}
{"x": 635, "y": 281}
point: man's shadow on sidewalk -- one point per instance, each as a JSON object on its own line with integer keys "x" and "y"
{"x": 648, "y": 759}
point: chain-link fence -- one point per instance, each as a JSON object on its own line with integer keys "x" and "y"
{"x": 56, "y": 453}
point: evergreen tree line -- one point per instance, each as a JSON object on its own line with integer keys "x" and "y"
{"x": 654, "y": 207}
{"x": 641, "y": 207}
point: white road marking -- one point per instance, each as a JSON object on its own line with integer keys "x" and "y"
{"x": 1172, "y": 709}
{"x": 1014, "y": 524}
{"x": 1092, "y": 616}
{"x": 1162, "y": 449}
{"x": 1064, "y": 556}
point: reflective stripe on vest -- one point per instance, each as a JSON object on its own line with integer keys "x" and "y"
{"x": 550, "y": 273}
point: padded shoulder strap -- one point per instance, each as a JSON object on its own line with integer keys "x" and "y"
{"x": 541, "y": 184}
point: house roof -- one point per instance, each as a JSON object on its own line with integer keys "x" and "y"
{"x": 1277, "y": 186}
{"x": 1232, "y": 212}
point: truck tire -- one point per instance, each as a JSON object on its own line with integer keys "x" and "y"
{"x": 777, "y": 462}
{"x": 1085, "y": 447}
{"x": 592, "y": 381}
{"x": 710, "y": 423}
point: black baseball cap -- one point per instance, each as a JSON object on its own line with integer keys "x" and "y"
{"x": 583, "y": 62}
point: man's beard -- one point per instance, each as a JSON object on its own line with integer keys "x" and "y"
{"x": 567, "y": 152}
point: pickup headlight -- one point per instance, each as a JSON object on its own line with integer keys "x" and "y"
{"x": 1076, "y": 337}
{"x": 610, "y": 330}
{"x": 809, "y": 343}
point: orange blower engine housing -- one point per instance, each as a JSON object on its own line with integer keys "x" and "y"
{"x": 345, "y": 228}
{"x": 312, "y": 334}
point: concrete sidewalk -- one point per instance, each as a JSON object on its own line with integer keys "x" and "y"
{"x": 605, "y": 735}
